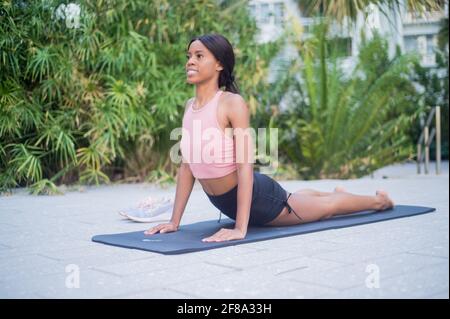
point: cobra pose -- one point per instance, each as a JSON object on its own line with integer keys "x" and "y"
{"x": 246, "y": 196}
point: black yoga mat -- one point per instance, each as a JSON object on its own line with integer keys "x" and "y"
{"x": 189, "y": 237}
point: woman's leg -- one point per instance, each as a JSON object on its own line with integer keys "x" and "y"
{"x": 312, "y": 207}
{"x": 338, "y": 189}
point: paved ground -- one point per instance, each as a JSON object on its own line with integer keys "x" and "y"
{"x": 45, "y": 243}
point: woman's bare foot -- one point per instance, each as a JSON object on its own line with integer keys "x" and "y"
{"x": 340, "y": 189}
{"x": 385, "y": 201}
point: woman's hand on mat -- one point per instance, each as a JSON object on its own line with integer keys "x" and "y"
{"x": 225, "y": 234}
{"x": 162, "y": 228}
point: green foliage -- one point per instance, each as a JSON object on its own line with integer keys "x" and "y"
{"x": 346, "y": 126}
{"x": 44, "y": 187}
{"x": 433, "y": 84}
{"x": 161, "y": 177}
{"x": 443, "y": 35}
{"x": 96, "y": 103}
{"x": 342, "y": 9}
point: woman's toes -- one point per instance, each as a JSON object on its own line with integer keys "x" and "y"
{"x": 386, "y": 202}
{"x": 339, "y": 189}
{"x": 381, "y": 192}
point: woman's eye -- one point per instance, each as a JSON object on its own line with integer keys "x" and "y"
{"x": 198, "y": 55}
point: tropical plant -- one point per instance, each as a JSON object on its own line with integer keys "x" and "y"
{"x": 90, "y": 90}
{"x": 342, "y": 9}
{"x": 443, "y": 35}
{"x": 346, "y": 126}
{"x": 433, "y": 84}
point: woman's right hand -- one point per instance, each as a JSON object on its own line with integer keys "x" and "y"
{"x": 162, "y": 228}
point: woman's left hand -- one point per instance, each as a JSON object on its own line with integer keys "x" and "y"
{"x": 225, "y": 234}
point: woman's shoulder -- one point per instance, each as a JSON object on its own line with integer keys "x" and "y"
{"x": 232, "y": 104}
{"x": 230, "y": 97}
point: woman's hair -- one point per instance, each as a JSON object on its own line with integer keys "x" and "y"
{"x": 222, "y": 50}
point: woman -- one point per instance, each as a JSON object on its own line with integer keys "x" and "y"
{"x": 248, "y": 197}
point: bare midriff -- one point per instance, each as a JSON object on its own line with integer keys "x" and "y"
{"x": 220, "y": 185}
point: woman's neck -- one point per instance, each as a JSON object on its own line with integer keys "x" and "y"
{"x": 204, "y": 93}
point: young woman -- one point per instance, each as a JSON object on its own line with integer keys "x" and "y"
{"x": 248, "y": 197}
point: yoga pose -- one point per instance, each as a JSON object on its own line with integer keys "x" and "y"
{"x": 248, "y": 197}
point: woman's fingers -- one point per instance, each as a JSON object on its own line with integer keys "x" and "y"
{"x": 165, "y": 230}
{"x": 149, "y": 231}
{"x": 213, "y": 237}
{"x": 222, "y": 235}
{"x": 162, "y": 228}
{"x": 153, "y": 230}
{"x": 210, "y": 239}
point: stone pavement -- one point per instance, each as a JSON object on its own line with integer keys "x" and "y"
{"x": 46, "y": 249}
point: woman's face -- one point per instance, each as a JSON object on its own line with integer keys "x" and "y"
{"x": 201, "y": 65}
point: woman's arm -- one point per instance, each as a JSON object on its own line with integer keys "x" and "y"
{"x": 239, "y": 116}
{"x": 185, "y": 183}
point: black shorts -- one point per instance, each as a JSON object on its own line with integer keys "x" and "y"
{"x": 268, "y": 200}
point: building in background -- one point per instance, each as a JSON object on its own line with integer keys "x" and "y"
{"x": 410, "y": 31}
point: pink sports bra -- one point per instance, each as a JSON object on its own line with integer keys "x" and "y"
{"x": 204, "y": 145}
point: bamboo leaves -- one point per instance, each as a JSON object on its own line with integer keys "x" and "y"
{"x": 76, "y": 101}
{"x": 347, "y": 126}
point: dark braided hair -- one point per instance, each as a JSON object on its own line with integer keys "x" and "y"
{"x": 222, "y": 50}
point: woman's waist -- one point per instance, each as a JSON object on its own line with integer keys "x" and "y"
{"x": 221, "y": 185}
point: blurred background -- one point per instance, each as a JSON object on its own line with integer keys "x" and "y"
{"x": 91, "y": 90}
